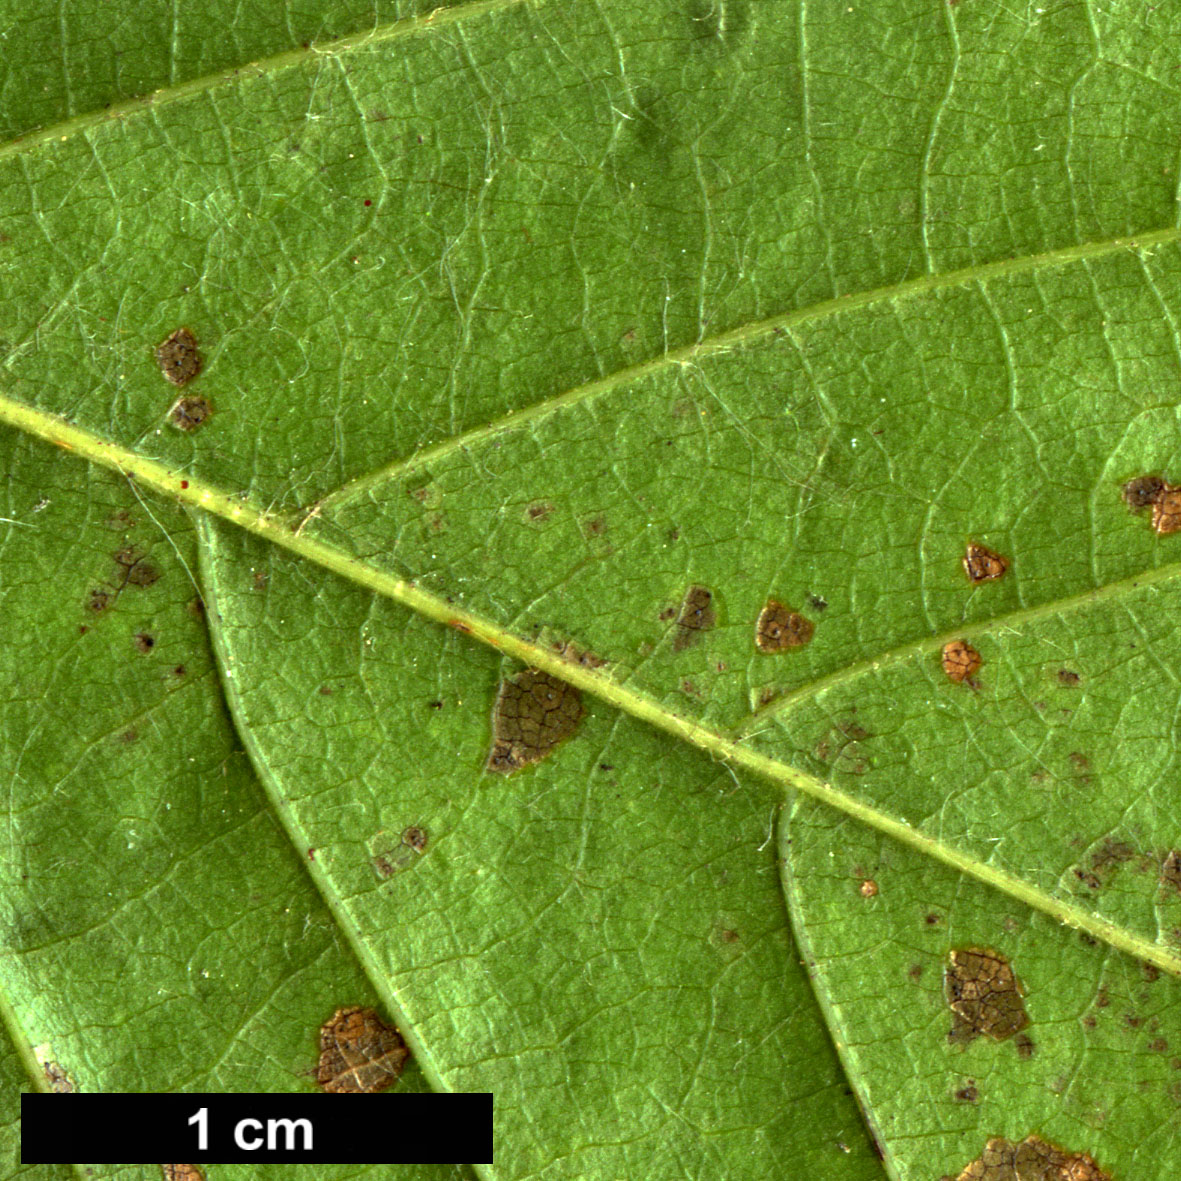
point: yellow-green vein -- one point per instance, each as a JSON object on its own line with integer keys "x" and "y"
{"x": 153, "y": 475}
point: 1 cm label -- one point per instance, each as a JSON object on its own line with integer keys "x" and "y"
{"x": 253, "y": 1135}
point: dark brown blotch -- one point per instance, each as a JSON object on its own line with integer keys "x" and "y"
{"x": 1170, "y": 872}
{"x": 144, "y": 642}
{"x": 982, "y": 564}
{"x": 534, "y": 712}
{"x": 780, "y": 628}
{"x": 190, "y": 412}
{"x": 182, "y": 1173}
{"x": 178, "y": 357}
{"x": 359, "y": 1053}
{"x": 984, "y": 996}
{"x": 696, "y": 616}
{"x": 1034, "y": 1159}
{"x": 1157, "y": 493}
{"x": 1142, "y": 492}
{"x": 134, "y": 569}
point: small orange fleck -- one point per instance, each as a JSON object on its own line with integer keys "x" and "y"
{"x": 869, "y": 888}
{"x": 960, "y": 660}
{"x": 982, "y": 564}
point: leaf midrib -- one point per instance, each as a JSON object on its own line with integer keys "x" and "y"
{"x": 196, "y": 493}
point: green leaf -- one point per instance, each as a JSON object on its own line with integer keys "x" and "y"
{"x": 591, "y": 331}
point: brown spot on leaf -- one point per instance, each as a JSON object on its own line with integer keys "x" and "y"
{"x": 1142, "y": 492}
{"x": 142, "y": 574}
{"x": 1156, "y": 493}
{"x": 134, "y": 569}
{"x": 359, "y": 1053}
{"x": 1159, "y": 1045}
{"x": 539, "y": 510}
{"x": 189, "y": 413}
{"x": 960, "y": 660}
{"x": 414, "y": 838}
{"x": 779, "y": 628}
{"x": 144, "y": 642}
{"x": 817, "y": 603}
{"x": 1166, "y": 511}
{"x": 982, "y": 564}
{"x": 1150, "y": 972}
{"x": 98, "y": 602}
{"x": 534, "y": 712}
{"x": 1034, "y": 1159}
{"x": 1068, "y": 678}
{"x": 60, "y": 1083}
{"x": 595, "y": 527}
{"x": 1025, "y": 1046}
{"x": 968, "y": 1094}
{"x": 984, "y": 996}
{"x": 182, "y": 1173}
{"x": 915, "y": 971}
{"x": 178, "y": 357}
{"x": 1170, "y": 874}
{"x": 696, "y": 616}
{"x": 574, "y": 654}
{"x": 868, "y": 888}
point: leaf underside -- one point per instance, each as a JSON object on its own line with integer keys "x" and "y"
{"x": 762, "y": 306}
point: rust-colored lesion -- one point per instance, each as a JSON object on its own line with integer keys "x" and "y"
{"x": 1033, "y": 1159}
{"x": 960, "y": 660}
{"x": 982, "y": 564}
{"x": 534, "y": 712}
{"x": 780, "y": 628}
{"x": 182, "y": 1173}
{"x": 1156, "y": 493}
{"x": 359, "y": 1053}
{"x": 984, "y": 996}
